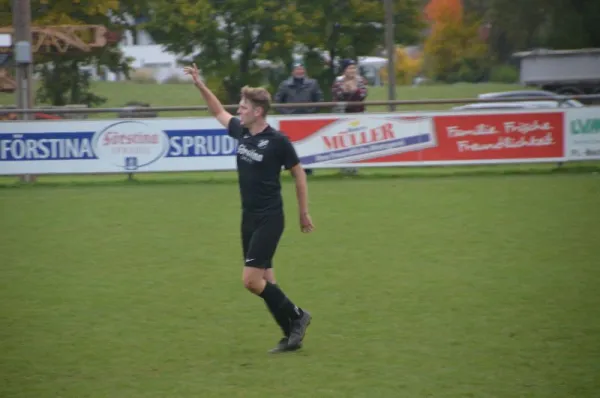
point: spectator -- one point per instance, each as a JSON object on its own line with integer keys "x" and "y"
{"x": 350, "y": 86}
{"x": 298, "y": 88}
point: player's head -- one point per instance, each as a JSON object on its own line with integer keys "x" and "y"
{"x": 254, "y": 105}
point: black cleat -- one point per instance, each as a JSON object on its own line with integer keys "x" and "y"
{"x": 299, "y": 327}
{"x": 284, "y": 346}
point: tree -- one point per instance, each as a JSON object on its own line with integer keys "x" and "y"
{"x": 575, "y": 25}
{"x": 62, "y": 78}
{"x": 349, "y": 29}
{"x": 516, "y": 25}
{"x": 441, "y": 12}
{"x": 226, "y": 38}
{"x": 454, "y": 49}
{"x": 407, "y": 67}
{"x": 524, "y": 25}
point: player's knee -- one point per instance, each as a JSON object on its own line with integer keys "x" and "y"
{"x": 253, "y": 283}
{"x": 270, "y": 276}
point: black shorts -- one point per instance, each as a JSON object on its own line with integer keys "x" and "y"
{"x": 260, "y": 237}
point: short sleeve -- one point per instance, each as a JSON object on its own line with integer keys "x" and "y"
{"x": 290, "y": 157}
{"x": 235, "y": 129}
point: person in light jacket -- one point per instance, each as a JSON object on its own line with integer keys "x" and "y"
{"x": 350, "y": 86}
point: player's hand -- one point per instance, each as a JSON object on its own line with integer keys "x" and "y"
{"x": 193, "y": 72}
{"x": 306, "y": 224}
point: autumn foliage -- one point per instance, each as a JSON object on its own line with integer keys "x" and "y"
{"x": 454, "y": 50}
{"x": 439, "y": 12}
{"x": 407, "y": 67}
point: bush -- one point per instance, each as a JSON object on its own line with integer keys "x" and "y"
{"x": 504, "y": 74}
{"x": 143, "y": 76}
{"x": 175, "y": 79}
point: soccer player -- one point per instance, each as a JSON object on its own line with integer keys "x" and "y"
{"x": 262, "y": 153}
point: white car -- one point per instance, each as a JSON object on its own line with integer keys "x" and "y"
{"x": 511, "y": 105}
{"x": 541, "y": 94}
{"x": 547, "y": 99}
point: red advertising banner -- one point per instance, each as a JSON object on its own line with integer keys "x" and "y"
{"x": 464, "y": 138}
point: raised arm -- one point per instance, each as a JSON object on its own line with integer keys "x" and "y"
{"x": 214, "y": 105}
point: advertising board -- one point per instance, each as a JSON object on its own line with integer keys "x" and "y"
{"x": 322, "y": 141}
{"x": 583, "y": 134}
{"x": 391, "y": 140}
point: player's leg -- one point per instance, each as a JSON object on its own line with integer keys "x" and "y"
{"x": 299, "y": 320}
{"x": 270, "y": 275}
{"x": 282, "y": 320}
{"x": 261, "y": 249}
{"x": 246, "y": 231}
{"x": 254, "y": 279}
{"x": 248, "y": 228}
{"x": 260, "y": 254}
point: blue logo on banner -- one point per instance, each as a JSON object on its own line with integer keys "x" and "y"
{"x": 398, "y": 143}
{"x": 131, "y": 163}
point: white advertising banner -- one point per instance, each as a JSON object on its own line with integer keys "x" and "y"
{"x": 322, "y": 141}
{"x": 115, "y": 146}
{"x": 583, "y": 133}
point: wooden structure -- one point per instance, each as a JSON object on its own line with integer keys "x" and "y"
{"x": 60, "y": 39}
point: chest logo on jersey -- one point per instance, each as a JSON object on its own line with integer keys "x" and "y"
{"x": 249, "y": 155}
{"x": 263, "y": 144}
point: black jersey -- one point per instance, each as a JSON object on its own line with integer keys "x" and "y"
{"x": 260, "y": 159}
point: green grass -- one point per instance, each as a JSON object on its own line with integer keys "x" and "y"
{"x": 119, "y": 94}
{"x": 226, "y": 177}
{"x": 479, "y": 286}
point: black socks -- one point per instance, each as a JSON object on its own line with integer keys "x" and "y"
{"x": 282, "y": 320}
{"x": 283, "y": 310}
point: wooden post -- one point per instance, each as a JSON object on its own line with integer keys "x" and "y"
{"x": 24, "y": 72}
{"x": 391, "y": 51}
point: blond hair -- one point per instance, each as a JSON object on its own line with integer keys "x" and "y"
{"x": 258, "y": 97}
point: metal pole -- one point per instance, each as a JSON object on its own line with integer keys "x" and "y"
{"x": 22, "y": 29}
{"x": 391, "y": 51}
{"x": 24, "y": 72}
{"x": 449, "y": 101}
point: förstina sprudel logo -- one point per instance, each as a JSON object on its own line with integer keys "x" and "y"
{"x": 130, "y": 144}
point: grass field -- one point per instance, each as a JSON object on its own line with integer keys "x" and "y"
{"x": 472, "y": 286}
{"x": 119, "y": 94}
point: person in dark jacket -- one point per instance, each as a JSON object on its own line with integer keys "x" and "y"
{"x": 296, "y": 89}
